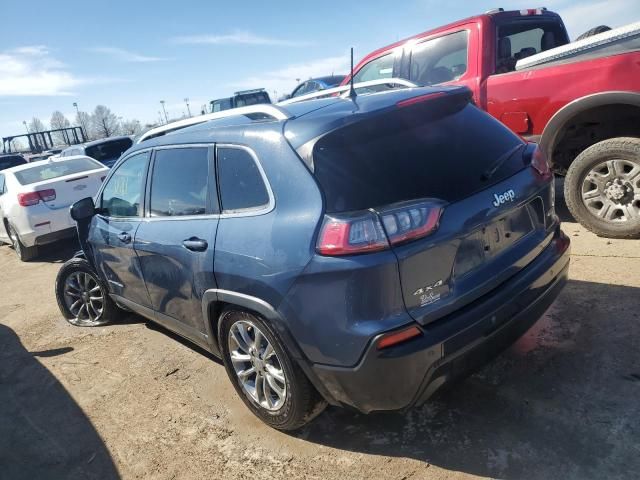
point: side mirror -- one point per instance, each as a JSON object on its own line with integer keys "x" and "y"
{"x": 83, "y": 209}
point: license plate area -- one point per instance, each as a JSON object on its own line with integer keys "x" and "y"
{"x": 491, "y": 240}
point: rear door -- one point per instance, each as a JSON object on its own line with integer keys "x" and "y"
{"x": 175, "y": 242}
{"x": 113, "y": 230}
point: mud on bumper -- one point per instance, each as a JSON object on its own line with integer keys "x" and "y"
{"x": 452, "y": 347}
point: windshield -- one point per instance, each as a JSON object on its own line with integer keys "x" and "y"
{"x": 397, "y": 157}
{"x": 109, "y": 150}
{"x": 11, "y": 161}
{"x": 57, "y": 169}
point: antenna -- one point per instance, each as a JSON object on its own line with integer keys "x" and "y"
{"x": 352, "y": 91}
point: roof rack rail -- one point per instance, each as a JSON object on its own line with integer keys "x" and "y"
{"x": 262, "y": 108}
{"x": 344, "y": 89}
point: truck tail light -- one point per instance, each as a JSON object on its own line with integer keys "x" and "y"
{"x": 394, "y": 338}
{"x": 540, "y": 164}
{"x": 363, "y": 232}
{"x": 33, "y": 198}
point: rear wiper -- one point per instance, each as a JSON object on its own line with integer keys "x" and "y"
{"x": 503, "y": 158}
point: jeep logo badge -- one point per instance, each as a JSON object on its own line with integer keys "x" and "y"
{"x": 503, "y": 198}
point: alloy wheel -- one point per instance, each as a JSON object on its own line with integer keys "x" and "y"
{"x": 611, "y": 190}
{"x": 15, "y": 242}
{"x": 84, "y": 299}
{"x": 256, "y": 364}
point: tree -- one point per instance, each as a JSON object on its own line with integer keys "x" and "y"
{"x": 36, "y": 125}
{"x": 104, "y": 121}
{"x": 16, "y": 145}
{"x": 58, "y": 120}
{"x": 131, "y": 127}
{"x": 83, "y": 119}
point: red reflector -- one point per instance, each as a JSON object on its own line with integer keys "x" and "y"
{"x": 47, "y": 195}
{"x": 394, "y": 338}
{"x": 28, "y": 199}
{"x": 419, "y": 99}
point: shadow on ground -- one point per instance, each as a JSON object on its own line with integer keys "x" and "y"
{"x": 44, "y": 434}
{"x": 561, "y": 403}
{"x": 57, "y": 252}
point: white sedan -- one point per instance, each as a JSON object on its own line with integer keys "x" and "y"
{"x": 35, "y": 200}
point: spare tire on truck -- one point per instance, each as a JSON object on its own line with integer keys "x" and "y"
{"x": 602, "y": 188}
{"x": 594, "y": 31}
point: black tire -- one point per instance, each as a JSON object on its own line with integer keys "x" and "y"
{"x": 302, "y": 402}
{"x": 23, "y": 252}
{"x": 110, "y": 311}
{"x": 594, "y": 31}
{"x": 626, "y": 149}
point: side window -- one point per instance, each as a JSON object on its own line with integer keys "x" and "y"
{"x": 522, "y": 39}
{"x": 240, "y": 182}
{"x": 381, "y": 67}
{"x": 179, "y": 182}
{"x": 123, "y": 194}
{"x": 2, "y": 187}
{"x": 439, "y": 60}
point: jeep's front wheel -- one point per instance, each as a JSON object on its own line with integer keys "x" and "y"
{"x": 266, "y": 378}
{"x": 82, "y": 297}
{"x": 602, "y": 188}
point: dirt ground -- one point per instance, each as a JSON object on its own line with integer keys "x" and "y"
{"x": 133, "y": 401}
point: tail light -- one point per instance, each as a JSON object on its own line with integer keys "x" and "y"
{"x": 540, "y": 164}
{"x": 363, "y": 232}
{"x": 350, "y": 234}
{"x": 33, "y": 198}
{"x": 411, "y": 221}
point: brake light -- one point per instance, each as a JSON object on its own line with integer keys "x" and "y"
{"x": 33, "y": 198}
{"x": 419, "y": 99}
{"x": 366, "y": 231}
{"x": 394, "y": 338}
{"x": 47, "y": 195}
{"x": 411, "y": 221}
{"x": 540, "y": 164}
{"x": 28, "y": 199}
{"x": 351, "y": 234}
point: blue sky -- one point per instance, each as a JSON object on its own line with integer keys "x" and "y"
{"x": 128, "y": 55}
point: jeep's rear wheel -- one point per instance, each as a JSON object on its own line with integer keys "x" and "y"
{"x": 263, "y": 373}
{"x": 602, "y": 188}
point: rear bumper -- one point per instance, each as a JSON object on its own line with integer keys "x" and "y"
{"x": 55, "y": 236}
{"x": 452, "y": 347}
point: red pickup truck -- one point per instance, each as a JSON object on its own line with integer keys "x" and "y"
{"x": 582, "y": 104}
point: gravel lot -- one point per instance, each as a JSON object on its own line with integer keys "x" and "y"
{"x": 133, "y": 401}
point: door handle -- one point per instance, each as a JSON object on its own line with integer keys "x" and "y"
{"x": 195, "y": 244}
{"x": 124, "y": 237}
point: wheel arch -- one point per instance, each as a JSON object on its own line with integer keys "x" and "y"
{"x": 554, "y": 132}
{"x": 214, "y": 301}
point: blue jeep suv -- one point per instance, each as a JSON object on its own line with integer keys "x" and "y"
{"x": 359, "y": 252}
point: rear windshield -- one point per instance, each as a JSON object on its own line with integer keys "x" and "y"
{"x": 109, "y": 150}
{"x": 428, "y": 152}
{"x": 12, "y": 161}
{"x": 56, "y": 169}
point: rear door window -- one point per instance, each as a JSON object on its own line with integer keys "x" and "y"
{"x": 2, "y": 184}
{"x": 240, "y": 181}
{"x": 439, "y": 60}
{"x": 11, "y": 161}
{"x": 124, "y": 192}
{"x": 179, "y": 182}
{"x": 56, "y": 169}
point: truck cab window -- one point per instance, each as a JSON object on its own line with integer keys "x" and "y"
{"x": 521, "y": 39}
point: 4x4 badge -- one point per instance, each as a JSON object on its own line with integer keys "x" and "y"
{"x": 428, "y": 288}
